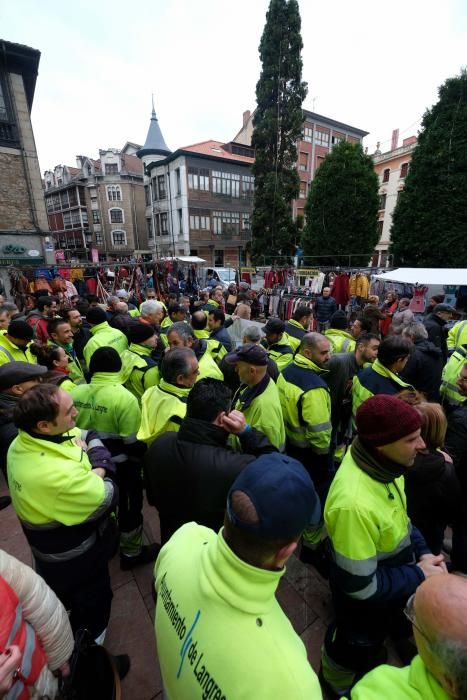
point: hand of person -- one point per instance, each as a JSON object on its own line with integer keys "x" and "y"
{"x": 64, "y": 669}
{"x": 234, "y": 422}
{"x": 9, "y": 662}
{"x": 100, "y": 472}
{"x": 447, "y": 457}
{"x": 432, "y": 564}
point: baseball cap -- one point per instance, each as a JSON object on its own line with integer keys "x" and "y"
{"x": 444, "y": 307}
{"x": 251, "y": 353}
{"x": 282, "y": 493}
{"x": 17, "y": 372}
{"x": 274, "y": 325}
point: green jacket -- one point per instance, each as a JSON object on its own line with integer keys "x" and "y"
{"x": 11, "y": 353}
{"x": 375, "y": 379}
{"x": 413, "y": 682}
{"x": 215, "y": 348}
{"x": 106, "y": 406}
{"x": 163, "y": 408}
{"x": 295, "y": 333}
{"x": 104, "y": 335}
{"x": 370, "y": 535}
{"x": 76, "y": 371}
{"x": 457, "y": 335}
{"x": 261, "y": 407}
{"x": 341, "y": 341}
{"x": 449, "y": 390}
{"x": 140, "y": 369}
{"x": 306, "y": 405}
{"x": 224, "y": 609}
{"x": 282, "y": 352}
{"x": 165, "y": 325}
{"x": 207, "y": 364}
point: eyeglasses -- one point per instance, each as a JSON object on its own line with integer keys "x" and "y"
{"x": 409, "y": 612}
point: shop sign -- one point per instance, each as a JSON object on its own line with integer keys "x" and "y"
{"x": 306, "y": 272}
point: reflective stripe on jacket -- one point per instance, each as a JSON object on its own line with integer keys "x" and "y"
{"x": 370, "y": 534}
{"x": 295, "y": 333}
{"x": 449, "y": 390}
{"x": 341, "y": 341}
{"x": 282, "y": 352}
{"x": 163, "y": 408}
{"x": 12, "y": 353}
{"x": 261, "y": 407}
{"x": 306, "y": 405}
{"x": 140, "y": 368}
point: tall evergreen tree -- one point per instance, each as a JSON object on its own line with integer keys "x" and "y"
{"x": 342, "y": 207}
{"x": 277, "y": 123}
{"x": 430, "y": 220}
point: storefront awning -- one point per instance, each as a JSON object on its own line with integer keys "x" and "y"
{"x": 455, "y": 276}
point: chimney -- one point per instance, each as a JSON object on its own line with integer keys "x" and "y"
{"x": 394, "y": 139}
{"x": 246, "y": 117}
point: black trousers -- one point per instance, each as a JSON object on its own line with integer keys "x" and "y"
{"x": 130, "y": 504}
{"x": 83, "y": 586}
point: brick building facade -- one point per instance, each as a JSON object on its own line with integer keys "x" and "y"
{"x": 24, "y": 232}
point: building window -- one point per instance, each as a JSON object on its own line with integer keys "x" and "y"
{"x": 178, "y": 181}
{"x": 119, "y": 239}
{"x": 380, "y": 229}
{"x": 147, "y": 196}
{"x": 72, "y": 219}
{"x": 3, "y": 105}
{"x": 114, "y": 193}
{"x": 180, "y": 221}
{"x": 303, "y": 161}
{"x": 382, "y": 201}
{"x": 302, "y": 193}
{"x": 200, "y": 220}
{"x": 226, "y": 184}
{"x": 219, "y": 258}
{"x": 404, "y": 170}
{"x": 246, "y": 221}
{"x": 111, "y": 168}
{"x": 321, "y": 138}
{"x": 198, "y": 179}
{"x": 150, "y": 231}
{"x": 226, "y": 223}
{"x": 308, "y": 134}
{"x": 164, "y": 224}
{"x": 89, "y": 169}
{"x": 99, "y": 238}
{"x": 116, "y": 216}
{"x": 96, "y": 216}
{"x": 161, "y": 190}
{"x": 248, "y": 186}
{"x": 399, "y": 192}
{"x": 386, "y": 174}
{"x": 336, "y": 140}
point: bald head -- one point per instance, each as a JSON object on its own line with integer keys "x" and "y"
{"x": 317, "y": 348}
{"x": 121, "y": 307}
{"x": 441, "y": 633}
{"x": 243, "y": 311}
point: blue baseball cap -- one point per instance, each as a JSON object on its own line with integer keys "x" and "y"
{"x": 282, "y": 493}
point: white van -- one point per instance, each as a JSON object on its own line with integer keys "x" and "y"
{"x": 224, "y": 275}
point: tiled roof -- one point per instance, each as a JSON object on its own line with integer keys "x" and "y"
{"x": 216, "y": 150}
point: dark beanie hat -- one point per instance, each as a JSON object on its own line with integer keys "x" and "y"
{"x": 105, "y": 360}
{"x": 339, "y": 320}
{"x": 20, "y": 330}
{"x": 383, "y": 419}
{"x": 139, "y": 332}
{"x": 96, "y": 315}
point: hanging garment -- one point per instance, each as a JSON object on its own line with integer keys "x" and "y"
{"x": 418, "y": 301}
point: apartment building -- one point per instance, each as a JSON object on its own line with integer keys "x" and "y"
{"x": 199, "y": 198}
{"x": 392, "y": 168}
{"x": 96, "y": 210}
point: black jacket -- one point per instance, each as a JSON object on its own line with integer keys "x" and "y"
{"x": 188, "y": 474}
{"x": 456, "y": 441}
{"x": 8, "y": 430}
{"x": 437, "y": 333}
{"x": 423, "y": 369}
{"x": 434, "y": 497}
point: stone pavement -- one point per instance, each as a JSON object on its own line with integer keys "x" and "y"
{"x": 303, "y": 594}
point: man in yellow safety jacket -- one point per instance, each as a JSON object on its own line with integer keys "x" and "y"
{"x": 102, "y": 335}
{"x": 382, "y": 376}
{"x": 164, "y": 406}
{"x": 338, "y": 334}
{"x": 297, "y": 326}
{"x": 277, "y": 343}
{"x": 183, "y": 335}
{"x": 139, "y": 366}
{"x": 61, "y": 335}
{"x": 15, "y": 343}
{"x": 457, "y": 335}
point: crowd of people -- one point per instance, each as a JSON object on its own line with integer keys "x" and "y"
{"x": 345, "y": 446}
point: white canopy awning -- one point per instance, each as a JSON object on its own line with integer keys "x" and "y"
{"x": 454, "y": 276}
{"x": 187, "y": 258}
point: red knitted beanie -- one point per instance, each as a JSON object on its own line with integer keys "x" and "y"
{"x": 383, "y": 419}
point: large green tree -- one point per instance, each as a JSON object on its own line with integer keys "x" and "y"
{"x": 430, "y": 220}
{"x": 342, "y": 208}
{"x": 277, "y": 124}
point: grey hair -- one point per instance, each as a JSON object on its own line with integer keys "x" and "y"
{"x": 416, "y": 330}
{"x": 8, "y": 306}
{"x": 311, "y": 340}
{"x": 176, "y": 362}
{"x": 121, "y": 307}
{"x": 150, "y": 307}
{"x": 182, "y": 329}
{"x": 252, "y": 334}
{"x": 112, "y": 299}
{"x": 453, "y": 657}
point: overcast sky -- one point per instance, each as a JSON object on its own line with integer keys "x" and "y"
{"x": 372, "y": 64}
